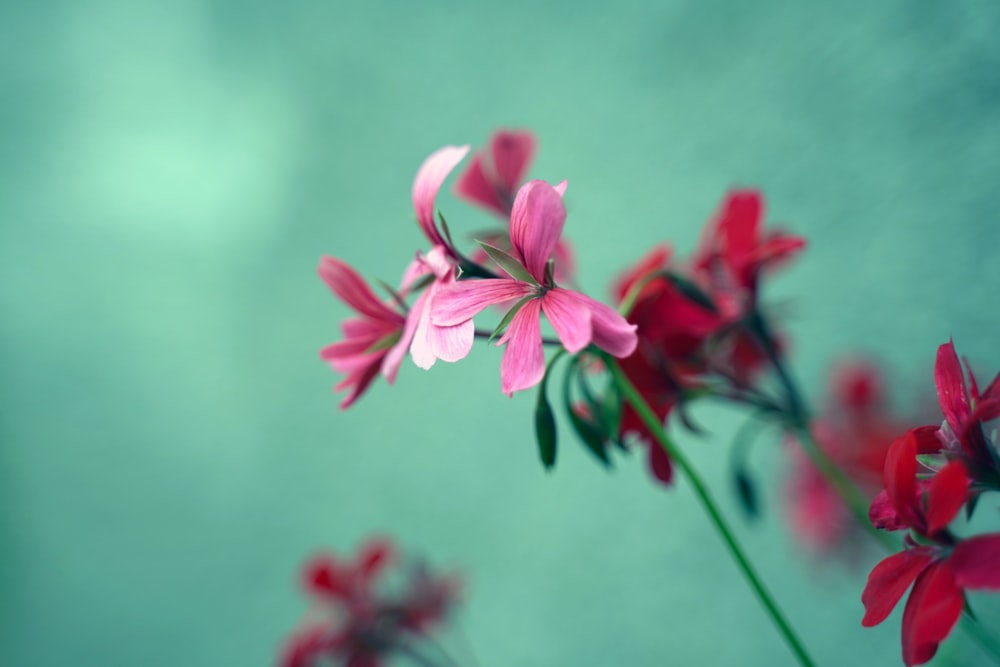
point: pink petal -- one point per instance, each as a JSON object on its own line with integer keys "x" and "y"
{"x": 561, "y": 187}
{"x": 474, "y": 186}
{"x": 430, "y": 176}
{"x": 950, "y": 381}
{"x": 976, "y": 562}
{"x": 889, "y": 580}
{"x": 419, "y": 318}
{"x": 612, "y": 332}
{"x": 360, "y": 382}
{"x": 523, "y": 364}
{"x": 354, "y": 291}
{"x": 570, "y": 317}
{"x": 536, "y": 223}
{"x": 512, "y": 153}
{"x": 947, "y": 494}
{"x": 432, "y": 342}
{"x": 931, "y": 612}
{"x": 459, "y": 302}
{"x": 900, "y": 477}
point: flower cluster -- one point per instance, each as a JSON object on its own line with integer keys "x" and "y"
{"x": 354, "y": 621}
{"x": 855, "y": 431}
{"x": 930, "y": 474}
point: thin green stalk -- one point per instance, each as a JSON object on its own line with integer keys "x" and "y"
{"x": 649, "y": 418}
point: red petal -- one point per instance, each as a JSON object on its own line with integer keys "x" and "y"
{"x": 512, "y": 154}
{"x": 976, "y": 562}
{"x": 900, "y": 477}
{"x": 950, "y": 381}
{"x": 947, "y": 494}
{"x": 324, "y": 576}
{"x": 659, "y": 464}
{"x": 883, "y": 515}
{"x": 373, "y": 557}
{"x": 889, "y": 580}
{"x": 927, "y": 439}
{"x": 931, "y": 612}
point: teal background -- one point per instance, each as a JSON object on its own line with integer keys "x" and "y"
{"x": 171, "y": 172}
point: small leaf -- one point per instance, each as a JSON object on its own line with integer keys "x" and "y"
{"x": 393, "y": 294}
{"x": 970, "y": 506}
{"x": 545, "y": 429}
{"x": 691, "y": 291}
{"x": 444, "y": 228}
{"x": 384, "y": 343}
{"x": 746, "y": 492}
{"x": 508, "y": 263}
{"x": 509, "y": 316}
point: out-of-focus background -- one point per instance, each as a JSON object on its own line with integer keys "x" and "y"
{"x": 171, "y": 172}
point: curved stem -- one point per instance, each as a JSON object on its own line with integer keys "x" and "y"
{"x": 651, "y": 422}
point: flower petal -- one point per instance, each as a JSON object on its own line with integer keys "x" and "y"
{"x": 452, "y": 343}
{"x": 474, "y": 186}
{"x": 373, "y": 557}
{"x": 459, "y": 302}
{"x": 900, "y": 477}
{"x": 947, "y": 494}
{"x": 352, "y": 289}
{"x": 612, "y": 332}
{"x": 975, "y": 562}
{"x": 931, "y": 612}
{"x": 536, "y": 223}
{"x": 889, "y": 580}
{"x": 430, "y": 176}
{"x": 950, "y": 381}
{"x": 570, "y": 317}
{"x": 659, "y": 464}
{"x": 883, "y": 515}
{"x": 523, "y": 364}
{"x": 512, "y": 152}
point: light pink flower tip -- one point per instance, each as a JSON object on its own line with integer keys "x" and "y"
{"x": 536, "y": 223}
{"x": 430, "y": 176}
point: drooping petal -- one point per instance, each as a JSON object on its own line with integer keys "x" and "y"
{"x": 512, "y": 152}
{"x": 570, "y": 317}
{"x": 933, "y": 608}
{"x": 419, "y": 318}
{"x": 900, "y": 477}
{"x": 975, "y": 562}
{"x": 452, "y": 343}
{"x": 950, "y": 381}
{"x": 889, "y": 580}
{"x": 659, "y": 464}
{"x": 461, "y": 301}
{"x": 394, "y": 357}
{"x": 536, "y": 223}
{"x": 354, "y": 291}
{"x": 947, "y": 494}
{"x": 359, "y": 381}
{"x": 523, "y": 364}
{"x": 612, "y": 332}
{"x": 473, "y": 185}
{"x": 430, "y": 176}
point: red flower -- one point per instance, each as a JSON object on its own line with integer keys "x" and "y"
{"x": 358, "y": 622}
{"x": 855, "y": 431}
{"x": 939, "y": 571}
{"x": 964, "y": 415}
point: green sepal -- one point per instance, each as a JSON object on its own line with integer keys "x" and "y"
{"x": 384, "y": 343}
{"x": 444, "y": 228}
{"x": 509, "y": 316}
{"x": 690, "y": 290}
{"x": 393, "y": 294}
{"x": 590, "y": 434}
{"x": 508, "y": 263}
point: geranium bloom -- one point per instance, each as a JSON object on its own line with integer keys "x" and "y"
{"x": 962, "y": 431}
{"x": 372, "y": 342}
{"x": 856, "y": 431}
{"x": 493, "y": 176}
{"x": 535, "y": 227}
{"x": 940, "y": 567}
{"x": 355, "y": 623}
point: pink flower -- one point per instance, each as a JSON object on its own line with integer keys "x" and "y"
{"x": 535, "y": 227}
{"x": 431, "y": 174}
{"x": 492, "y": 177}
{"x": 940, "y": 567}
{"x": 372, "y": 343}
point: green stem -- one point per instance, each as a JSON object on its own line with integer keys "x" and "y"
{"x": 649, "y": 418}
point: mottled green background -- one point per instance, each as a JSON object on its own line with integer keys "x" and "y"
{"x": 171, "y": 172}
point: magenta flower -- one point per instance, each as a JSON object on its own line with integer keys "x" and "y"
{"x": 492, "y": 177}
{"x": 536, "y": 224}
{"x": 372, "y": 343}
